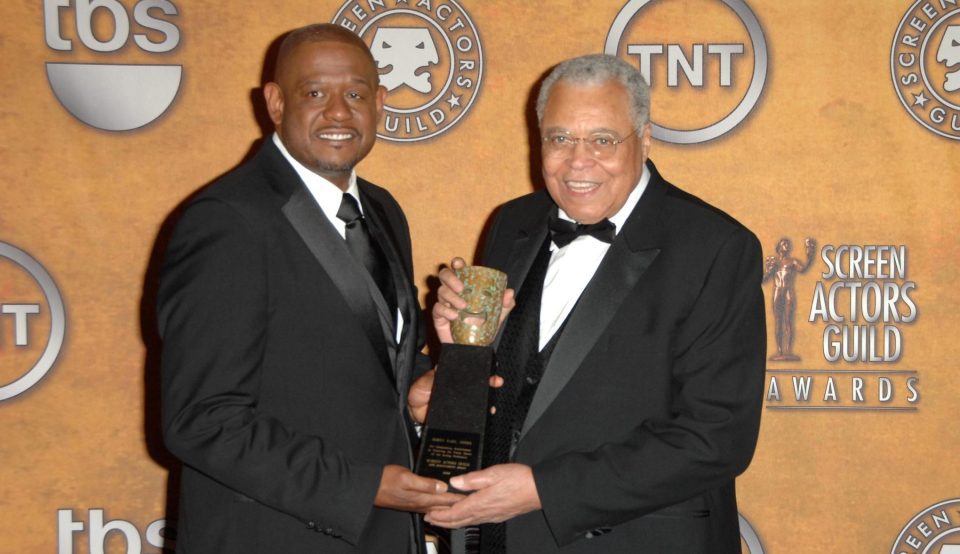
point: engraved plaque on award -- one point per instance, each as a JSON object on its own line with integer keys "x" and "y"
{"x": 452, "y": 439}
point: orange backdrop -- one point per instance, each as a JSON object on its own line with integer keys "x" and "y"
{"x": 828, "y": 151}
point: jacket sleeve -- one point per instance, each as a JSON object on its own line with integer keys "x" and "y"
{"x": 717, "y": 374}
{"x": 213, "y": 314}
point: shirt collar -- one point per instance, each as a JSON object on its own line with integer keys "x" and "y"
{"x": 328, "y": 195}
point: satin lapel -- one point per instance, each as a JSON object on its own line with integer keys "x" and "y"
{"x": 628, "y": 258}
{"x": 524, "y": 250}
{"x": 331, "y": 251}
{"x": 382, "y": 232}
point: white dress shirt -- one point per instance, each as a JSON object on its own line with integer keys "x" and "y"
{"x": 328, "y": 197}
{"x": 573, "y": 266}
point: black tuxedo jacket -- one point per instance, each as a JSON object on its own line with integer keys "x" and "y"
{"x": 650, "y": 404}
{"x": 283, "y": 390}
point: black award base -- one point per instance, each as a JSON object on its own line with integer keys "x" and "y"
{"x": 452, "y": 439}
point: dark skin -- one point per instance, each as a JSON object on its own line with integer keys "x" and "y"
{"x": 325, "y": 103}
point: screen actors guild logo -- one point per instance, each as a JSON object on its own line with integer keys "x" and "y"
{"x": 935, "y": 530}
{"x": 19, "y": 313}
{"x": 864, "y": 302}
{"x": 925, "y": 64}
{"x": 405, "y": 52}
{"x": 721, "y": 78}
{"x": 783, "y": 270}
{"x": 112, "y": 97}
{"x": 430, "y": 61}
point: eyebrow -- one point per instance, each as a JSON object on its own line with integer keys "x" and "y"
{"x": 355, "y": 81}
{"x": 598, "y": 131}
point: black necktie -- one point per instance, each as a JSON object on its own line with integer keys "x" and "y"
{"x": 364, "y": 249}
{"x": 562, "y": 232}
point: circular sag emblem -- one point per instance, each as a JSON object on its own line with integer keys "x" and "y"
{"x": 925, "y": 65}
{"x": 430, "y": 61}
{"x": 694, "y": 69}
{"x": 57, "y": 321}
{"x": 935, "y": 530}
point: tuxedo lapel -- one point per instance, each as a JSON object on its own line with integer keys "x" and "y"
{"x": 523, "y": 251}
{"x": 629, "y": 257}
{"x": 330, "y": 250}
{"x": 383, "y": 233}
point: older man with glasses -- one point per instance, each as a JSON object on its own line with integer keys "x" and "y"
{"x": 633, "y": 359}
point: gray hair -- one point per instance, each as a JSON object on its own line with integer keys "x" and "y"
{"x": 597, "y": 69}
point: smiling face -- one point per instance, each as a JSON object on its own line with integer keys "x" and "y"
{"x": 483, "y": 289}
{"x": 586, "y": 188}
{"x": 325, "y": 105}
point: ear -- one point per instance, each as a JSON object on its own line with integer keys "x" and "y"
{"x": 274, "y": 100}
{"x": 381, "y": 99}
{"x": 645, "y": 141}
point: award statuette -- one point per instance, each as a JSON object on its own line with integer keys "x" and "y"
{"x": 452, "y": 439}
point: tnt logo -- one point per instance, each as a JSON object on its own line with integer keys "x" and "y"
{"x": 32, "y": 321}
{"x": 113, "y": 97}
{"x": 107, "y": 536}
{"x": 704, "y": 79}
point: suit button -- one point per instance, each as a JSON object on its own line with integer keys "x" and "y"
{"x": 328, "y": 531}
{"x": 311, "y": 525}
{"x": 516, "y": 436}
{"x": 597, "y": 532}
{"x": 531, "y": 380}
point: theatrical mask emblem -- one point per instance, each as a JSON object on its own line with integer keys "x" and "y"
{"x": 483, "y": 289}
{"x": 949, "y": 55}
{"x": 406, "y": 51}
{"x": 453, "y": 435}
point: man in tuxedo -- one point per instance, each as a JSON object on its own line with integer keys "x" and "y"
{"x": 291, "y": 334}
{"x": 633, "y": 360}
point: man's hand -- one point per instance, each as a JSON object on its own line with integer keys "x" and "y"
{"x": 401, "y": 489}
{"x": 502, "y": 492}
{"x": 418, "y": 399}
{"x": 449, "y": 303}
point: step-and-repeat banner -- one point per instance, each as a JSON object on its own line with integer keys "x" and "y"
{"x": 831, "y": 129}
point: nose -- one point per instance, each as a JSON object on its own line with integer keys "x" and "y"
{"x": 337, "y": 109}
{"x": 580, "y": 156}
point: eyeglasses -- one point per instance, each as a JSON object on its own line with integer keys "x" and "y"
{"x": 600, "y": 146}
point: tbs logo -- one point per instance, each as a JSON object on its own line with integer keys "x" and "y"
{"x": 112, "y": 97}
{"x": 107, "y": 536}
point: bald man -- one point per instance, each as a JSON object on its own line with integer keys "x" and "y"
{"x": 291, "y": 334}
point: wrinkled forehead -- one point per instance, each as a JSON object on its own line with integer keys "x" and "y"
{"x": 595, "y": 106}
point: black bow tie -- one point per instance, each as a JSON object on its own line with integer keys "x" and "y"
{"x": 562, "y": 232}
